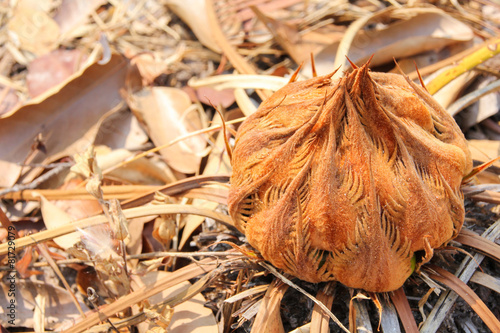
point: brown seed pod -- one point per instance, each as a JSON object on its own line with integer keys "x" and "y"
{"x": 346, "y": 179}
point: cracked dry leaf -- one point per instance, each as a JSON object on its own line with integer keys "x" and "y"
{"x": 349, "y": 179}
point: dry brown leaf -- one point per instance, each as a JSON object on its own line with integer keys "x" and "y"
{"x": 32, "y": 29}
{"x": 77, "y": 209}
{"x": 52, "y": 69}
{"x": 191, "y": 271}
{"x": 149, "y": 66}
{"x": 484, "y": 150}
{"x": 120, "y": 129}
{"x": 189, "y": 316}
{"x": 232, "y": 17}
{"x": 140, "y": 171}
{"x": 197, "y": 20}
{"x": 8, "y": 99}
{"x": 65, "y": 117}
{"x": 60, "y": 311}
{"x": 297, "y": 44}
{"x": 425, "y": 29}
{"x": 54, "y": 217}
{"x": 218, "y": 163}
{"x": 73, "y": 13}
{"x": 210, "y": 96}
{"x": 167, "y": 114}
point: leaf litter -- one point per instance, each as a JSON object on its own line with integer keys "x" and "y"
{"x": 138, "y": 81}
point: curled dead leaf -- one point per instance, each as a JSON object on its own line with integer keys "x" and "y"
{"x": 168, "y": 114}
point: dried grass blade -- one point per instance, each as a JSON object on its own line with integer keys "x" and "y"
{"x": 275, "y": 272}
{"x": 45, "y": 253}
{"x": 176, "y": 188}
{"x": 352, "y": 316}
{"x": 215, "y": 194}
{"x": 100, "y": 219}
{"x": 467, "y": 294}
{"x": 389, "y": 319}
{"x": 362, "y": 318}
{"x": 400, "y": 301}
{"x": 487, "y": 196}
{"x": 464, "y": 272}
{"x": 243, "y": 81}
{"x": 472, "y": 97}
{"x": 482, "y": 244}
{"x": 486, "y": 280}
{"x": 247, "y": 293}
{"x": 244, "y": 102}
{"x": 183, "y": 274}
{"x": 119, "y": 192}
{"x": 319, "y": 319}
{"x": 268, "y": 318}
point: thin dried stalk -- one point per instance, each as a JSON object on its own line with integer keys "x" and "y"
{"x": 233, "y": 81}
{"x": 487, "y": 196}
{"x": 363, "y": 323}
{"x": 45, "y": 253}
{"x": 389, "y": 320}
{"x": 486, "y": 280}
{"x": 482, "y": 244}
{"x": 119, "y": 192}
{"x": 176, "y": 189}
{"x": 181, "y": 275}
{"x": 142, "y": 256}
{"x": 464, "y": 273}
{"x": 319, "y": 319}
{"x": 294, "y": 286}
{"x": 473, "y": 97}
{"x": 179, "y": 139}
{"x": 467, "y": 63}
{"x": 100, "y": 219}
{"x": 268, "y": 318}
{"x": 467, "y": 294}
{"x": 399, "y": 299}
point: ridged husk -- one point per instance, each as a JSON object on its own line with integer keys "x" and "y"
{"x": 346, "y": 179}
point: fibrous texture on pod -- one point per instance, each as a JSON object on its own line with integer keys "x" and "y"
{"x": 347, "y": 179}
